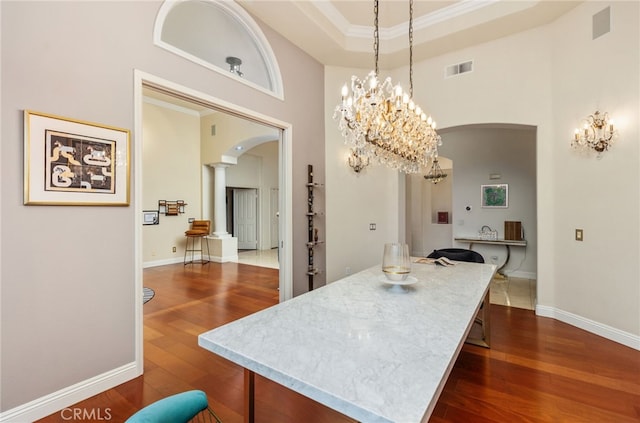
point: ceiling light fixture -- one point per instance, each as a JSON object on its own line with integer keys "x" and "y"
{"x": 382, "y": 121}
{"x": 598, "y": 133}
{"x": 436, "y": 174}
{"x": 234, "y": 65}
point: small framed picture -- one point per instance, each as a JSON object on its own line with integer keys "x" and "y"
{"x": 494, "y": 196}
{"x": 68, "y": 162}
{"x": 150, "y": 217}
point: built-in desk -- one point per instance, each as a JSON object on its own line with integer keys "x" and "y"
{"x": 375, "y": 352}
{"x": 507, "y": 243}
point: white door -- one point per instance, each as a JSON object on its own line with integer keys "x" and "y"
{"x": 245, "y": 218}
{"x": 274, "y": 217}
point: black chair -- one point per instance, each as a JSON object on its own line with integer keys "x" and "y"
{"x": 482, "y": 318}
{"x": 458, "y": 254}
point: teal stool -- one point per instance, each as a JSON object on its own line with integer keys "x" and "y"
{"x": 190, "y": 406}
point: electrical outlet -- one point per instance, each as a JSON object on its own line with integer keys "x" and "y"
{"x": 579, "y": 235}
{"x": 372, "y": 226}
{"x": 347, "y": 271}
{"x": 174, "y": 249}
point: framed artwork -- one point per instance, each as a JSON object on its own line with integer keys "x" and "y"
{"x": 71, "y": 162}
{"x": 495, "y": 196}
{"x": 150, "y": 217}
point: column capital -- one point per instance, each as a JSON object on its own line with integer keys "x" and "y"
{"x": 220, "y": 165}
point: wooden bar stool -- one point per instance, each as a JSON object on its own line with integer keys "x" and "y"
{"x": 199, "y": 229}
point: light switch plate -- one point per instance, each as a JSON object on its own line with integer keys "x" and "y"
{"x": 579, "y": 235}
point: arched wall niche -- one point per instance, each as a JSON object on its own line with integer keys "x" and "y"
{"x": 207, "y": 32}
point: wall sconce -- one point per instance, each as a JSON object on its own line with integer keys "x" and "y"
{"x": 598, "y": 133}
{"x": 357, "y": 160}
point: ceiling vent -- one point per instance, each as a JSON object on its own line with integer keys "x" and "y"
{"x": 601, "y": 23}
{"x": 453, "y": 70}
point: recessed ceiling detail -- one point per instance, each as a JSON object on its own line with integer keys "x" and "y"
{"x": 339, "y": 32}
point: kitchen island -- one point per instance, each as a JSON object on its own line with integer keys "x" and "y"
{"x": 373, "y": 351}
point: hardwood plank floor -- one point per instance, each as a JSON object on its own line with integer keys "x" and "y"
{"x": 538, "y": 369}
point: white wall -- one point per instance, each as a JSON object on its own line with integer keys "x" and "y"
{"x": 355, "y": 200}
{"x": 71, "y": 319}
{"x": 478, "y": 152}
{"x": 597, "y": 279}
{"x": 171, "y": 149}
{"x": 548, "y": 78}
{"x": 258, "y": 168}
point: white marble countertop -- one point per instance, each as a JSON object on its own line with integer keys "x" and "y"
{"x": 372, "y": 351}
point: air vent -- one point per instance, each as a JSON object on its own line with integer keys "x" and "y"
{"x": 601, "y": 23}
{"x": 458, "y": 69}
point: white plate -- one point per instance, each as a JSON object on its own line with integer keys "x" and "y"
{"x": 409, "y": 281}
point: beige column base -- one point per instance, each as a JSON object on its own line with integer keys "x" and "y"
{"x": 223, "y": 250}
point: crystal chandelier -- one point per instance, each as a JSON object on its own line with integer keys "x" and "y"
{"x": 598, "y": 134}
{"x": 436, "y": 174}
{"x": 382, "y": 122}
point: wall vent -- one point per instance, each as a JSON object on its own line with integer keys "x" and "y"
{"x": 601, "y": 23}
{"x": 453, "y": 70}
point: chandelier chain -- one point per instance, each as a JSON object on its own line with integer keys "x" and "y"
{"x": 376, "y": 35}
{"x": 411, "y": 48}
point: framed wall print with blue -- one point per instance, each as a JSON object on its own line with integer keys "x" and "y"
{"x": 72, "y": 162}
{"x": 495, "y": 196}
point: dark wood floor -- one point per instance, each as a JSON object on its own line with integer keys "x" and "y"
{"x": 538, "y": 369}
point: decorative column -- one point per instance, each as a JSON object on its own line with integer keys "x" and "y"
{"x": 219, "y": 198}
{"x": 225, "y": 247}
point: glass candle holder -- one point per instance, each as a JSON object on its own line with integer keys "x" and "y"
{"x": 396, "y": 262}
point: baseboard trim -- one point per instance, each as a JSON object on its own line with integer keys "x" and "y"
{"x": 56, "y": 401}
{"x": 520, "y": 274}
{"x": 628, "y": 339}
{"x": 156, "y": 263}
{"x": 216, "y": 259}
{"x": 226, "y": 259}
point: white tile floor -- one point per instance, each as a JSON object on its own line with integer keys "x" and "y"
{"x": 513, "y": 292}
{"x": 263, "y": 258}
{"x": 510, "y": 291}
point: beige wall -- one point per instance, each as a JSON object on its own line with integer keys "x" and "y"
{"x": 71, "y": 318}
{"x": 171, "y": 153}
{"x": 598, "y": 278}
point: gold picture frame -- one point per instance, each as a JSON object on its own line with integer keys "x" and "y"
{"x": 72, "y": 162}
